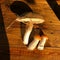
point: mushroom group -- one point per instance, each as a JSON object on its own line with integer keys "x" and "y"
{"x": 30, "y": 22}
{"x": 27, "y": 16}
{"x": 37, "y": 38}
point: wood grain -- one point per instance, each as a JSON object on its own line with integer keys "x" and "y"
{"x": 51, "y": 27}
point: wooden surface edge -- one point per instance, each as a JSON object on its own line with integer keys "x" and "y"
{"x": 25, "y": 52}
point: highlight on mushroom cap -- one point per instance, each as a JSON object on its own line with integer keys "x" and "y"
{"x": 37, "y": 37}
{"x": 34, "y": 20}
{"x": 44, "y": 36}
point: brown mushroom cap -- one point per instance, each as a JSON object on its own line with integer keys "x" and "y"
{"x": 44, "y": 36}
{"x": 37, "y": 37}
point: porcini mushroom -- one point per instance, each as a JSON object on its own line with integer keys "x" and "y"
{"x": 34, "y": 43}
{"x": 32, "y": 21}
{"x": 42, "y": 43}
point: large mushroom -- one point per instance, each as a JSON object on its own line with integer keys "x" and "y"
{"x": 30, "y": 23}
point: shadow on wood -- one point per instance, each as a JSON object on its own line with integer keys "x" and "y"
{"x": 20, "y": 8}
{"x": 30, "y": 1}
{"x": 4, "y": 44}
{"x": 56, "y": 8}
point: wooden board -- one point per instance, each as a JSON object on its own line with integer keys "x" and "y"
{"x": 51, "y": 27}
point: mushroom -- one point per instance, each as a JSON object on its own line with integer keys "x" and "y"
{"x": 42, "y": 43}
{"x": 34, "y": 43}
{"x": 27, "y": 33}
{"x": 22, "y": 10}
{"x": 31, "y": 22}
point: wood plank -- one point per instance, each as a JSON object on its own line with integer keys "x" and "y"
{"x": 47, "y": 51}
{"x": 51, "y": 27}
{"x": 24, "y": 54}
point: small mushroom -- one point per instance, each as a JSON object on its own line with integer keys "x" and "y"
{"x": 31, "y": 22}
{"x": 42, "y": 43}
{"x": 34, "y": 43}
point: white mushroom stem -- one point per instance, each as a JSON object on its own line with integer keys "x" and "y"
{"x": 42, "y": 43}
{"x": 34, "y": 43}
{"x": 27, "y": 33}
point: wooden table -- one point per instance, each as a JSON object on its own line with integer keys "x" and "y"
{"x": 51, "y": 27}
